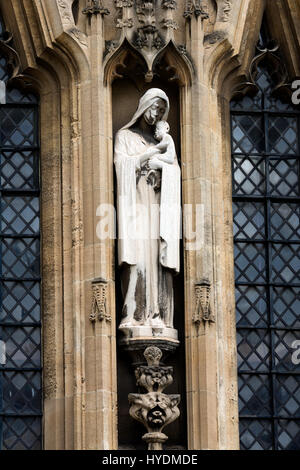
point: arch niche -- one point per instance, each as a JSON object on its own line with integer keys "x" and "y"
{"x": 125, "y": 74}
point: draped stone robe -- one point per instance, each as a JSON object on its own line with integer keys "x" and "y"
{"x": 149, "y": 232}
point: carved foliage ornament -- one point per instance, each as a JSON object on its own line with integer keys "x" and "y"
{"x": 95, "y": 7}
{"x": 224, "y": 10}
{"x": 154, "y": 409}
{"x": 195, "y": 8}
{"x": 203, "y": 310}
{"x": 99, "y": 309}
{"x": 148, "y": 26}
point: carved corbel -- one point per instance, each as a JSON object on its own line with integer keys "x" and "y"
{"x": 95, "y": 7}
{"x": 203, "y": 311}
{"x": 99, "y": 309}
{"x": 154, "y": 409}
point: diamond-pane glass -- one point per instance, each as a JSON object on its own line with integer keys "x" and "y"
{"x": 250, "y": 262}
{"x": 286, "y": 306}
{"x": 247, "y": 133}
{"x": 285, "y": 221}
{"x": 20, "y": 258}
{"x": 20, "y": 215}
{"x": 286, "y": 263}
{"x": 284, "y": 177}
{"x": 249, "y": 176}
{"x": 288, "y": 395}
{"x": 266, "y": 228}
{"x": 256, "y": 434}
{"x": 251, "y": 306}
{"x": 17, "y": 127}
{"x": 248, "y": 220}
{"x": 20, "y": 433}
{"x": 18, "y": 170}
{"x": 17, "y": 96}
{"x": 23, "y": 346}
{"x": 286, "y": 350}
{"x": 254, "y": 395}
{"x": 283, "y": 136}
{"x": 20, "y": 302}
{"x": 253, "y": 350}
{"x": 20, "y": 296}
{"x": 22, "y": 392}
{"x": 288, "y": 435}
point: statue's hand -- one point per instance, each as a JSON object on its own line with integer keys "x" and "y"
{"x": 149, "y": 154}
{"x": 155, "y": 164}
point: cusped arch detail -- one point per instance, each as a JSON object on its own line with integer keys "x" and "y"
{"x": 178, "y": 65}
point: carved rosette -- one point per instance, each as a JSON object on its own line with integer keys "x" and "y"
{"x": 99, "y": 309}
{"x": 154, "y": 409}
{"x": 203, "y": 311}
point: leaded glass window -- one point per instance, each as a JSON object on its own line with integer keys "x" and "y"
{"x": 266, "y": 216}
{"x": 20, "y": 315}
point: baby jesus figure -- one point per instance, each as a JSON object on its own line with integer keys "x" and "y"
{"x": 167, "y": 147}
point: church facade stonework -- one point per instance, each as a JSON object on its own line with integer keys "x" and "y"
{"x": 106, "y": 72}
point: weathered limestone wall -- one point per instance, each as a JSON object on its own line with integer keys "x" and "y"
{"x": 63, "y": 56}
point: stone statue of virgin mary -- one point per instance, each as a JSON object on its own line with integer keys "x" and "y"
{"x": 148, "y": 217}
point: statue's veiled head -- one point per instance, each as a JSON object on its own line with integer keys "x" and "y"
{"x": 155, "y": 112}
{"x": 153, "y": 107}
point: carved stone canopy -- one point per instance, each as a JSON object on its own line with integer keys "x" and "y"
{"x": 148, "y": 27}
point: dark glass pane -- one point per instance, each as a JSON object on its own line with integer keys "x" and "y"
{"x": 285, "y": 263}
{"x": 247, "y": 103}
{"x": 20, "y": 387}
{"x": 17, "y": 96}
{"x": 247, "y": 134}
{"x": 287, "y": 388}
{"x": 251, "y": 306}
{"x": 23, "y": 346}
{"x": 20, "y": 302}
{"x": 286, "y": 306}
{"x": 273, "y": 103}
{"x": 17, "y": 127}
{"x": 253, "y": 350}
{"x": 284, "y": 177}
{"x": 248, "y": 176}
{"x": 22, "y": 433}
{"x": 285, "y": 221}
{"x": 18, "y": 170}
{"x": 20, "y": 215}
{"x": 256, "y": 434}
{"x": 286, "y": 346}
{"x": 264, "y": 80}
{"x": 283, "y": 138}
{"x": 3, "y": 69}
{"x": 250, "y": 262}
{"x": 20, "y": 258}
{"x": 248, "y": 220}
{"x": 255, "y": 395}
{"x": 288, "y": 435}
{"x": 21, "y": 392}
